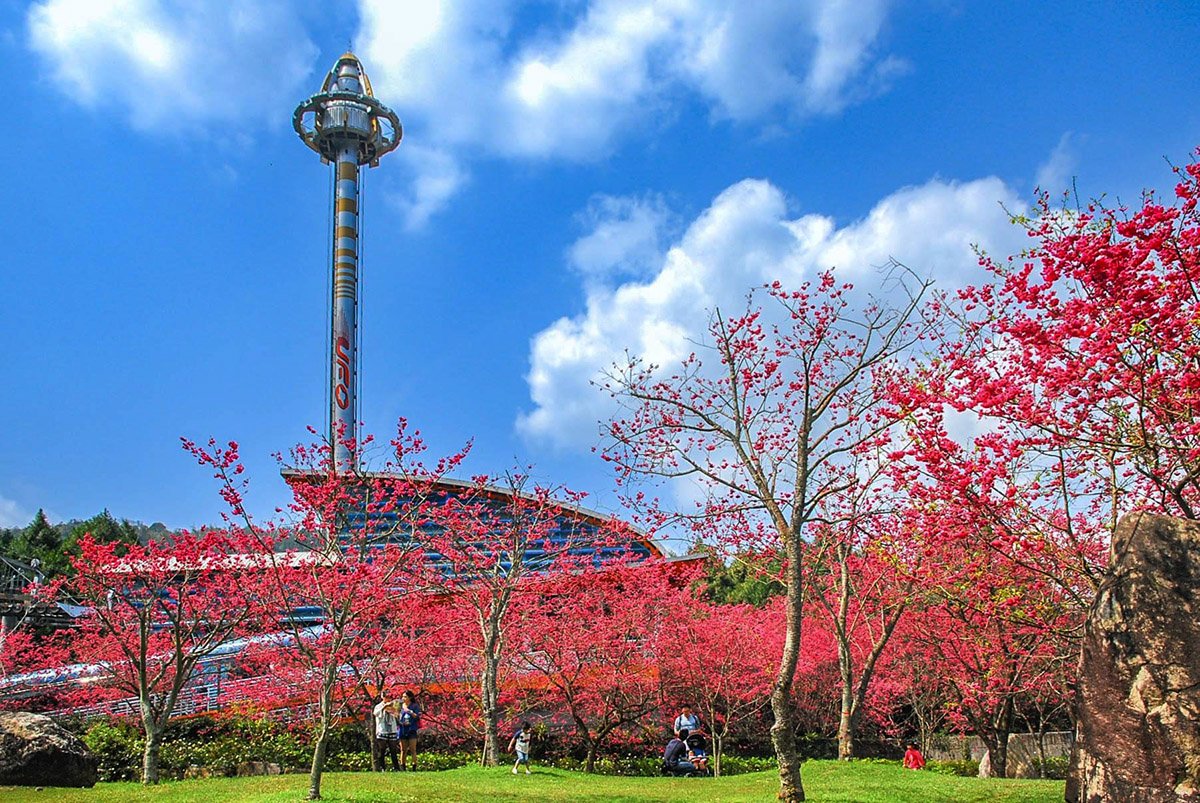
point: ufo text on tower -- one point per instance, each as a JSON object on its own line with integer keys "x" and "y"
{"x": 349, "y": 128}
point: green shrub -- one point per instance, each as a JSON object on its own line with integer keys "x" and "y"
{"x": 964, "y": 767}
{"x": 651, "y": 765}
{"x": 348, "y": 761}
{"x": 1054, "y": 768}
{"x": 220, "y": 744}
{"x": 349, "y": 737}
{"x": 118, "y": 745}
{"x": 360, "y": 761}
{"x": 435, "y": 762}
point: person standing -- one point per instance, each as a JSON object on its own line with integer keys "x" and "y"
{"x": 521, "y": 741}
{"x": 387, "y": 732}
{"x": 686, "y": 721}
{"x": 408, "y": 721}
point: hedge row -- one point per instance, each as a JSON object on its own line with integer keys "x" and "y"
{"x": 220, "y": 745}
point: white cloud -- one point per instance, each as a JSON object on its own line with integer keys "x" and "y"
{"x": 434, "y": 176}
{"x": 746, "y": 238}
{"x": 749, "y": 58}
{"x": 570, "y": 91}
{"x": 1055, "y": 174}
{"x": 12, "y": 514}
{"x": 845, "y": 33}
{"x": 172, "y": 65}
{"x": 477, "y": 77}
{"x": 625, "y": 236}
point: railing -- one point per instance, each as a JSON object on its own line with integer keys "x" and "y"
{"x": 15, "y": 576}
{"x": 199, "y": 699}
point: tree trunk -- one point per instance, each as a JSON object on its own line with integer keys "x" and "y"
{"x": 151, "y": 751}
{"x": 853, "y": 694}
{"x": 718, "y": 751}
{"x": 1041, "y": 772}
{"x": 493, "y": 645}
{"x": 845, "y": 657}
{"x": 376, "y": 752}
{"x": 783, "y": 734}
{"x": 590, "y": 763}
{"x": 1000, "y": 756}
{"x": 847, "y": 723}
{"x": 783, "y": 739}
{"x": 846, "y": 728}
{"x": 924, "y": 727}
{"x": 491, "y": 712}
{"x": 998, "y": 748}
{"x": 318, "y": 765}
{"x": 997, "y": 754}
{"x": 322, "y": 744}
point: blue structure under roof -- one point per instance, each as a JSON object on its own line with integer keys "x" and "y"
{"x": 576, "y": 531}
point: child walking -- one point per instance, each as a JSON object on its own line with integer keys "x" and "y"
{"x": 520, "y": 741}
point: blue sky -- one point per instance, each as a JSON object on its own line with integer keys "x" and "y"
{"x": 576, "y": 178}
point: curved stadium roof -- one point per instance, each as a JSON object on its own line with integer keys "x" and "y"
{"x": 573, "y": 522}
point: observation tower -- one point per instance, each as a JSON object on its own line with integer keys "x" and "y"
{"x": 349, "y": 128}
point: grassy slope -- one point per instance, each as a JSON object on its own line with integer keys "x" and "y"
{"x": 824, "y": 781}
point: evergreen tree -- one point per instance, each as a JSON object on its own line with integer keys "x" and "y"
{"x": 747, "y": 578}
{"x": 105, "y": 529}
{"x": 41, "y": 540}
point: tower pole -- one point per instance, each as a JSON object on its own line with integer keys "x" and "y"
{"x": 343, "y": 413}
{"x": 349, "y": 128}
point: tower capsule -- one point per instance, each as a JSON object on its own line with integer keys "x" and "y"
{"x": 349, "y": 128}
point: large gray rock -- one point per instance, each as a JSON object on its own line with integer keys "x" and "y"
{"x": 36, "y": 752}
{"x": 1138, "y": 702}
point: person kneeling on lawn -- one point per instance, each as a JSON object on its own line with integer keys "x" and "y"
{"x": 521, "y": 740}
{"x": 674, "y": 754}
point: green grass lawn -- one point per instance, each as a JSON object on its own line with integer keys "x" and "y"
{"x": 824, "y": 782}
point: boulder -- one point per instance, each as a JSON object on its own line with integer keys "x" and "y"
{"x": 1138, "y": 698}
{"x": 258, "y": 768}
{"x": 36, "y": 752}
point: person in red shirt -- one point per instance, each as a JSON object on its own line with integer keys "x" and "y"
{"x": 913, "y": 760}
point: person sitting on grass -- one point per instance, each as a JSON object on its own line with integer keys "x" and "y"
{"x": 913, "y": 760}
{"x": 521, "y": 741}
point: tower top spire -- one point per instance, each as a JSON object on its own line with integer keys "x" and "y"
{"x": 345, "y": 112}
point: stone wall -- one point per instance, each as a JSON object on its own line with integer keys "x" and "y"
{"x": 1023, "y": 752}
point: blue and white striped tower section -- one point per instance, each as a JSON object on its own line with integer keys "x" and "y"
{"x": 349, "y": 128}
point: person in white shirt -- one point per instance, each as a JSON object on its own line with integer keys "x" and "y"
{"x": 386, "y": 727}
{"x": 686, "y": 721}
{"x": 521, "y": 741}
